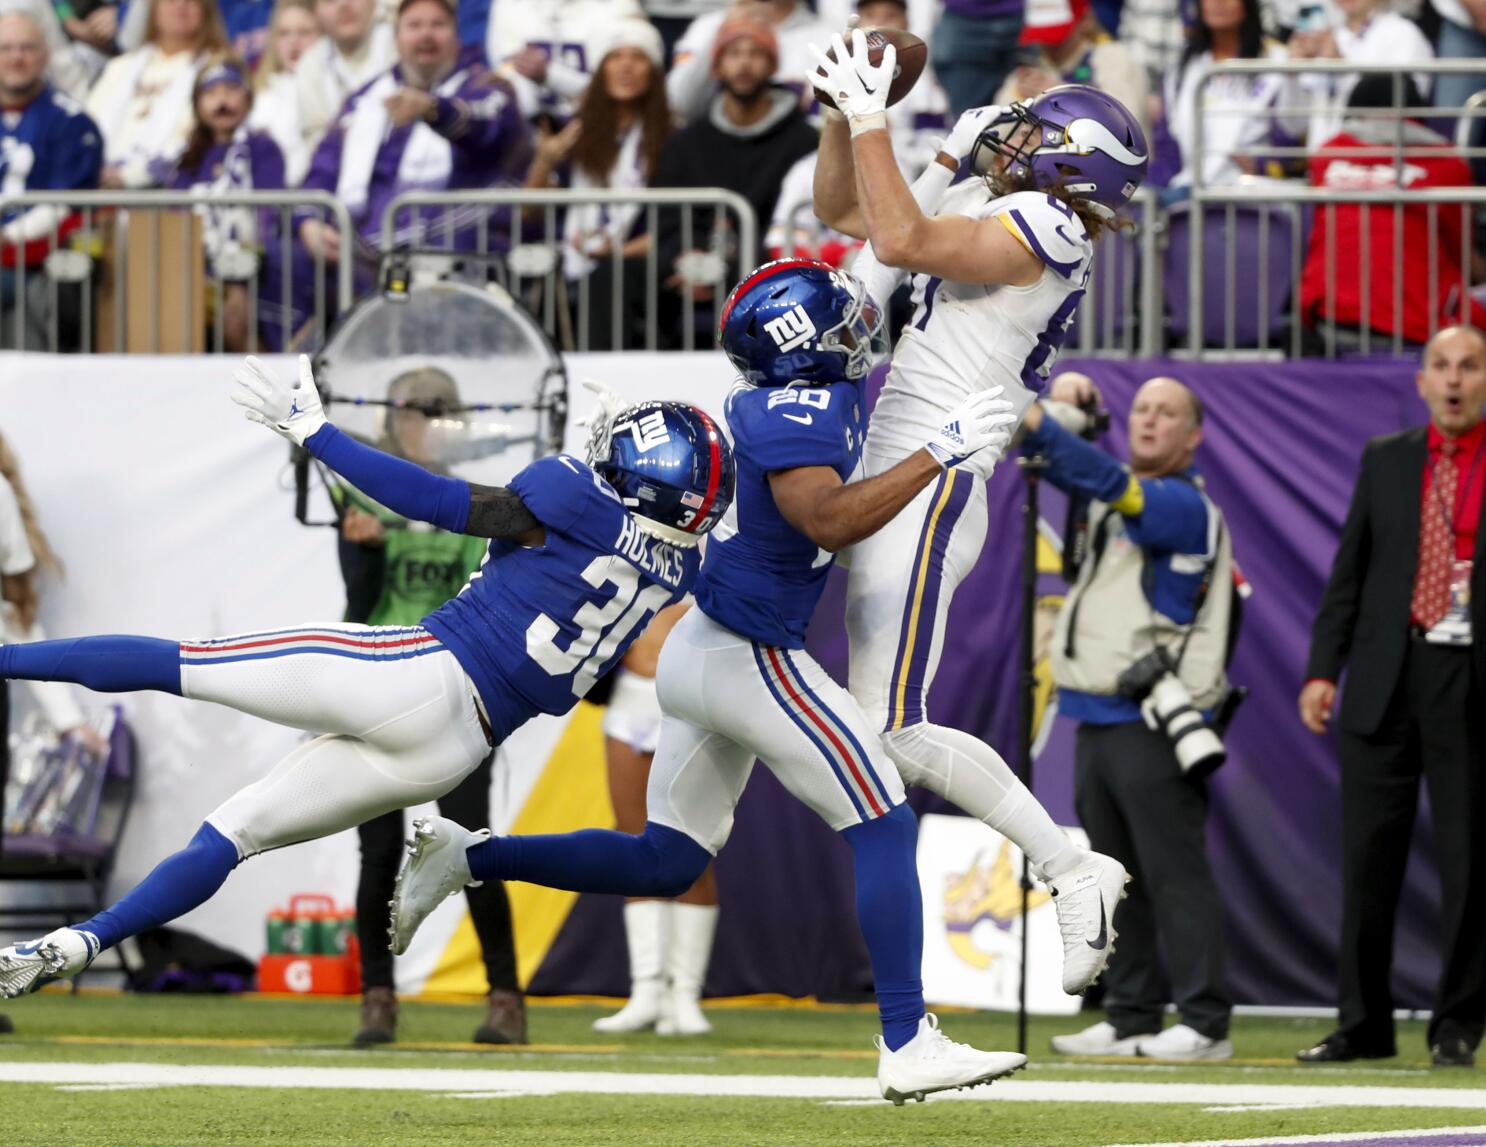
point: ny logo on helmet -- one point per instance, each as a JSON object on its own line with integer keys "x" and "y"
{"x": 648, "y": 432}
{"x": 791, "y": 329}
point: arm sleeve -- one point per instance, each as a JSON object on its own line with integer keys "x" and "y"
{"x": 401, "y": 486}
{"x": 1336, "y": 619}
{"x": 1077, "y": 466}
{"x": 496, "y": 512}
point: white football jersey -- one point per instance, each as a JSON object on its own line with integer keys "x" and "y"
{"x": 966, "y": 337}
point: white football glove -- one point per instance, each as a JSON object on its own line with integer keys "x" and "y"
{"x": 984, "y": 421}
{"x": 859, "y": 89}
{"x": 609, "y": 404}
{"x": 293, "y": 412}
{"x": 967, "y": 129}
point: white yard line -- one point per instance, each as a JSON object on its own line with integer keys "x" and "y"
{"x": 1401, "y": 1137}
{"x": 864, "y": 1087}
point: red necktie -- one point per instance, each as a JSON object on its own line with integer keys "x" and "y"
{"x": 1436, "y": 543}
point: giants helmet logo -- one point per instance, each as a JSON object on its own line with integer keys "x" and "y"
{"x": 791, "y": 329}
{"x": 648, "y": 432}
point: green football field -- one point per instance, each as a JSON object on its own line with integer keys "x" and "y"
{"x": 101, "y": 1068}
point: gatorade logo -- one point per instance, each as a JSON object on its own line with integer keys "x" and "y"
{"x": 299, "y": 976}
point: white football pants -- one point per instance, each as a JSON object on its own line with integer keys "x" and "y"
{"x": 396, "y": 711}
{"x": 727, "y": 701}
{"x": 899, "y": 587}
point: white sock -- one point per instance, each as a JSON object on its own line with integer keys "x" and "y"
{"x": 968, "y": 772}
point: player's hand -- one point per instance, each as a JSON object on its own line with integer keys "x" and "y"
{"x": 293, "y": 412}
{"x": 1075, "y": 389}
{"x": 1316, "y": 702}
{"x": 859, "y": 89}
{"x": 968, "y": 129}
{"x": 984, "y": 421}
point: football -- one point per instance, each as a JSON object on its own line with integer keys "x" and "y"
{"x": 913, "y": 54}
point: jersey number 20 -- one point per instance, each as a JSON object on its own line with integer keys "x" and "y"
{"x": 602, "y": 628}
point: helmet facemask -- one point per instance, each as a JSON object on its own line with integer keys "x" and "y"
{"x": 861, "y": 334}
{"x": 1003, "y": 138}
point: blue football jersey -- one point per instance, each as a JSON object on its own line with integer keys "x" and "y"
{"x": 762, "y": 577}
{"x": 536, "y": 627}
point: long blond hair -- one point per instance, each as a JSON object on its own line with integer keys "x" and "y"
{"x": 10, "y": 470}
{"x": 269, "y": 64}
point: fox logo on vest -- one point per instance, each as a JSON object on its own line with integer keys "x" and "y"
{"x": 649, "y": 431}
{"x": 791, "y": 329}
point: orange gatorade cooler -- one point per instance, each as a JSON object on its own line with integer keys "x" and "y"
{"x": 311, "y": 949}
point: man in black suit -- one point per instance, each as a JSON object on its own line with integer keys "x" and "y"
{"x": 1397, "y": 611}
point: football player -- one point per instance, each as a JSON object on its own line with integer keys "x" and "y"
{"x": 580, "y": 557}
{"x": 734, "y": 680}
{"x": 999, "y": 264}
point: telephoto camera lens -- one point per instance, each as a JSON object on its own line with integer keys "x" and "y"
{"x": 1169, "y": 707}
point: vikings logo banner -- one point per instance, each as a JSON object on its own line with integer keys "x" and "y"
{"x": 971, "y": 879}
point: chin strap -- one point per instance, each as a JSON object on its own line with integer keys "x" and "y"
{"x": 667, "y": 533}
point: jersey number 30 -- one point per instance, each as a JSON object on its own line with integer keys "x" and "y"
{"x": 602, "y": 628}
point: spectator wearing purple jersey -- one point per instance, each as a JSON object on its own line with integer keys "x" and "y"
{"x": 437, "y": 120}
{"x": 224, "y": 155}
{"x": 974, "y": 48}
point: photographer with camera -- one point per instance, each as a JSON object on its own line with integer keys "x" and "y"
{"x": 1138, "y": 656}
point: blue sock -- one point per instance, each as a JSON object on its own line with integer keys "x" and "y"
{"x": 178, "y": 884}
{"x": 890, "y": 912}
{"x": 104, "y": 664}
{"x": 661, "y": 862}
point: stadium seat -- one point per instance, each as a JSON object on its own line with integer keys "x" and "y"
{"x": 1265, "y": 246}
{"x": 69, "y": 868}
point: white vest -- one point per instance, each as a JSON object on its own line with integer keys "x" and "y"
{"x": 1117, "y": 625}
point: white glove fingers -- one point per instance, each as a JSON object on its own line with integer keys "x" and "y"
{"x": 838, "y": 46}
{"x": 306, "y": 372}
{"x": 889, "y": 63}
{"x": 858, "y": 46}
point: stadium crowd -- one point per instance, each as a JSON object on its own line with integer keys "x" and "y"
{"x": 368, "y": 98}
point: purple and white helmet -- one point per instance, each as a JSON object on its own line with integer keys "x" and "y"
{"x": 1083, "y": 141}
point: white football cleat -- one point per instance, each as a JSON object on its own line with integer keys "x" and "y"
{"x": 1100, "y": 1039}
{"x": 436, "y": 868}
{"x": 931, "y": 1062}
{"x": 1085, "y": 899}
{"x": 1182, "y": 1042}
{"x": 56, "y": 956}
{"x": 641, "y": 1011}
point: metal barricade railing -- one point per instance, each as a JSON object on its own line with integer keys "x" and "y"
{"x": 1258, "y": 205}
{"x": 528, "y": 250}
{"x": 67, "y": 229}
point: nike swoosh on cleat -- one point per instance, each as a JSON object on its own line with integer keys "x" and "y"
{"x": 1098, "y": 942}
{"x": 28, "y": 949}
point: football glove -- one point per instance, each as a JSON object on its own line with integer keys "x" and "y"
{"x": 293, "y": 412}
{"x": 967, "y": 129}
{"x": 984, "y": 421}
{"x": 859, "y": 89}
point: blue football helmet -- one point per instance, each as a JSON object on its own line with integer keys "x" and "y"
{"x": 801, "y": 321}
{"x": 671, "y": 465}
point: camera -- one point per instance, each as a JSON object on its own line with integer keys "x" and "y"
{"x": 1096, "y": 419}
{"x": 1167, "y": 708}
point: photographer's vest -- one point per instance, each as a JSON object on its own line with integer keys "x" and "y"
{"x": 1108, "y": 622}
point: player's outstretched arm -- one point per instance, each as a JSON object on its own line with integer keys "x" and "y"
{"x": 835, "y": 190}
{"x": 293, "y": 411}
{"x": 833, "y": 514}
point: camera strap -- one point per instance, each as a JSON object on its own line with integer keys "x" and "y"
{"x": 1204, "y": 587}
